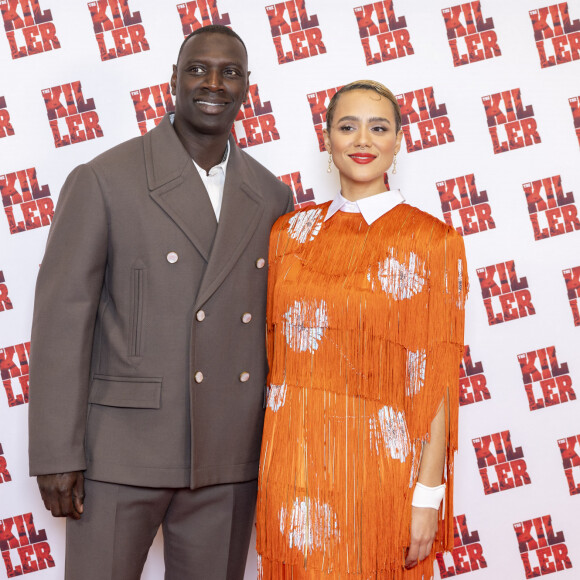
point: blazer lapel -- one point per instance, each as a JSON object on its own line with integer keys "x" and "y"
{"x": 175, "y": 185}
{"x": 240, "y": 214}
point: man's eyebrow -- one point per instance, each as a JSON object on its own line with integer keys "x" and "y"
{"x": 201, "y": 60}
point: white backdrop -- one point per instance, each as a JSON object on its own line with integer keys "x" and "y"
{"x": 490, "y": 94}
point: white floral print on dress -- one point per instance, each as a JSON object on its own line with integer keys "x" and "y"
{"x": 304, "y": 325}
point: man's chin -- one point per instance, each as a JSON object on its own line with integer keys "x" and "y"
{"x": 219, "y": 128}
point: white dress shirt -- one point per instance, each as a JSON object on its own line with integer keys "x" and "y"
{"x": 371, "y": 208}
{"x": 214, "y": 179}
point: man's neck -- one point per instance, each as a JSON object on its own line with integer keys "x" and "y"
{"x": 206, "y": 150}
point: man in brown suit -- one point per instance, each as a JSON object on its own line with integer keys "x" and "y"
{"x": 148, "y": 369}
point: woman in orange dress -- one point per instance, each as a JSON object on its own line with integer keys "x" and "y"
{"x": 365, "y": 335}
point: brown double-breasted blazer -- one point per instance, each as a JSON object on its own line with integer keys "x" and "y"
{"x": 148, "y": 361}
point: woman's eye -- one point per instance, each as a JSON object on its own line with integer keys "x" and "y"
{"x": 346, "y": 128}
{"x": 380, "y": 129}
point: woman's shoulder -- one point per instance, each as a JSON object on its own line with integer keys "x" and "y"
{"x": 302, "y": 217}
{"x": 427, "y": 222}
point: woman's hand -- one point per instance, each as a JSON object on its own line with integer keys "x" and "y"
{"x": 423, "y": 531}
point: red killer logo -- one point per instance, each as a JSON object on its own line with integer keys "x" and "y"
{"x": 302, "y": 198}
{"x": 27, "y": 204}
{"x": 24, "y": 550}
{"x": 464, "y": 208}
{"x": 5, "y": 302}
{"x": 31, "y": 33}
{"x": 548, "y": 385}
{"x": 571, "y": 462}
{"x": 296, "y": 34}
{"x": 118, "y": 31}
{"x": 472, "y": 381}
{"x": 255, "y": 124}
{"x": 557, "y": 36}
{"x": 6, "y": 128}
{"x": 421, "y": 114}
{"x": 383, "y": 35}
{"x": 200, "y": 13}
{"x": 552, "y": 212}
{"x": 572, "y": 279}
{"x": 501, "y": 467}
{"x": 14, "y": 373}
{"x": 511, "y": 126}
{"x": 318, "y": 103}
{"x": 542, "y": 550}
{"x": 471, "y": 38}
{"x": 505, "y": 297}
{"x": 73, "y": 121}
{"x": 4, "y": 473}
{"x": 574, "y": 105}
{"x": 467, "y": 553}
{"x": 151, "y": 105}
{"x": 386, "y": 181}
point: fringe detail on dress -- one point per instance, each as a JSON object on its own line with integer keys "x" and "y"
{"x": 365, "y": 337}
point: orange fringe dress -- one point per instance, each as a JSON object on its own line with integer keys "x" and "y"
{"x": 365, "y": 337}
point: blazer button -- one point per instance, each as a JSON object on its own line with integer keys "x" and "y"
{"x": 246, "y": 317}
{"x": 260, "y": 263}
{"x": 172, "y": 257}
{"x": 198, "y": 377}
{"x": 244, "y": 377}
{"x": 200, "y": 315}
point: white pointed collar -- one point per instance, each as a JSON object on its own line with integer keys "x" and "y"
{"x": 371, "y": 208}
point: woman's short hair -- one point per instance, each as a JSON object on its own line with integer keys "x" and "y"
{"x": 364, "y": 85}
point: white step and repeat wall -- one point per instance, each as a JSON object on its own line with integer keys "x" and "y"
{"x": 490, "y": 93}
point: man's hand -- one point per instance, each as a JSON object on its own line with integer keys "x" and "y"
{"x": 63, "y": 494}
{"x": 423, "y": 531}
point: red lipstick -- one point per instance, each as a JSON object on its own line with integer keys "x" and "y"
{"x": 362, "y": 158}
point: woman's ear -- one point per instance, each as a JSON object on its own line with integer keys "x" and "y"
{"x": 398, "y": 142}
{"x": 326, "y": 140}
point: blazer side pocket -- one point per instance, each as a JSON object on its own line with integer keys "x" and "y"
{"x": 138, "y": 279}
{"x": 131, "y": 392}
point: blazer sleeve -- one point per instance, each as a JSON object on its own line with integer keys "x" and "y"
{"x": 290, "y": 206}
{"x": 68, "y": 291}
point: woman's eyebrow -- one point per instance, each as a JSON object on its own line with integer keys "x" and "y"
{"x": 370, "y": 119}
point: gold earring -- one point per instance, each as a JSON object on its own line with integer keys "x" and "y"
{"x": 394, "y": 164}
{"x": 329, "y": 163}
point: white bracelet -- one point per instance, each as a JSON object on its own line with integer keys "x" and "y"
{"x": 430, "y": 497}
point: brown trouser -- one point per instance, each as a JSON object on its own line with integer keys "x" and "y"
{"x": 206, "y": 532}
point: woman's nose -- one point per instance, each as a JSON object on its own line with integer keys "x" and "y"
{"x": 363, "y": 138}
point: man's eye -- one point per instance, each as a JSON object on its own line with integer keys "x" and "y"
{"x": 230, "y": 72}
{"x": 195, "y": 69}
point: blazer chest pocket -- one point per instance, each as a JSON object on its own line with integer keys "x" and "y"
{"x": 131, "y": 392}
{"x": 137, "y": 313}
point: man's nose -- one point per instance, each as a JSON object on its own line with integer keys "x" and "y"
{"x": 213, "y": 80}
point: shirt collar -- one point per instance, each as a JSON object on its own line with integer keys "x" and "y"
{"x": 223, "y": 163}
{"x": 371, "y": 208}
{"x": 220, "y": 166}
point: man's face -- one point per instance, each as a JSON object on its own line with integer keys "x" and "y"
{"x": 210, "y": 83}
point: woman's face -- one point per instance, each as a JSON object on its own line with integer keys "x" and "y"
{"x": 363, "y": 141}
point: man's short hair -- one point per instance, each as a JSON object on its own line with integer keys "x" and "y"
{"x": 212, "y": 29}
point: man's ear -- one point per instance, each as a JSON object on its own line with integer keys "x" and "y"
{"x": 173, "y": 80}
